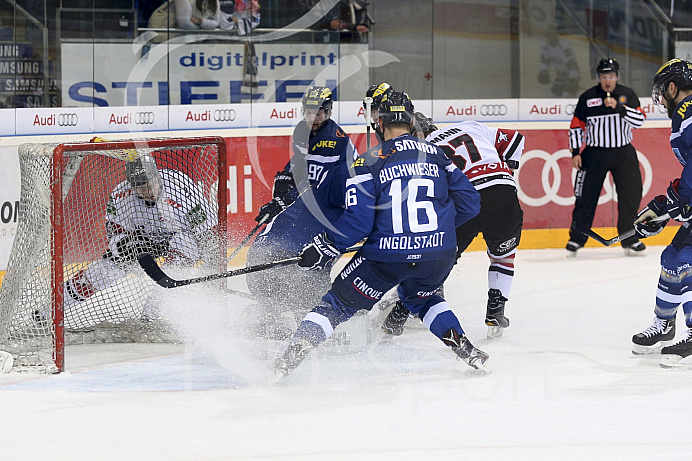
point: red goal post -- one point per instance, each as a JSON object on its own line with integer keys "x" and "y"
{"x": 65, "y": 190}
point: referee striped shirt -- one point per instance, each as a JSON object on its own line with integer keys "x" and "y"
{"x": 596, "y": 125}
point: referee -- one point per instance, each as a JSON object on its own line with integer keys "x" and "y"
{"x": 603, "y": 122}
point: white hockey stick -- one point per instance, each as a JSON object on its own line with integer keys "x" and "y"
{"x": 368, "y": 119}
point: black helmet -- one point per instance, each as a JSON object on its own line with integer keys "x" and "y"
{"x": 676, "y": 71}
{"x": 377, "y": 92}
{"x": 318, "y": 97}
{"x": 607, "y": 65}
{"x": 423, "y": 125}
{"x": 396, "y": 108}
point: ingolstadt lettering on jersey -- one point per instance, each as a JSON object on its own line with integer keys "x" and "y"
{"x": 407, "y": 197}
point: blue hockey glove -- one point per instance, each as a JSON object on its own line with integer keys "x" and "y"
{"x": 644, "y": 225}
{"x": 270, "y": 210}
{"x": 318, "y": 254}
{"x": 677, "y": 208}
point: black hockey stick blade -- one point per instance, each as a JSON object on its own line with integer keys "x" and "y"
{"x": 152, "y": 269}
{"x": 582, "y": 229}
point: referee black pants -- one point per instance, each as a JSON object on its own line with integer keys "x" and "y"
{"x": 624, "y": 167}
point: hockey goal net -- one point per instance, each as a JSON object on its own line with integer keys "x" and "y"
{"x": 65, "y": 192}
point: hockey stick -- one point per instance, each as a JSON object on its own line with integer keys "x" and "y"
{"x": 153, "y": 270}
{"x": 245, "y": 240}
{"x": 368, "y": 117}
{"x": 582, "y": 229}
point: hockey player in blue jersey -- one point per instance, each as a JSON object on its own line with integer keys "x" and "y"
{"x": 308, "y": 198}
{"x": 672, "y": 89}
{"x": 406, "y": 198}
{"x": 376, "y": 93}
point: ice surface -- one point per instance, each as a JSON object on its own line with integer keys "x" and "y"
{"x": 564, "y": 383}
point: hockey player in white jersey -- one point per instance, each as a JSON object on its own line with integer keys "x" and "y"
{"x": 488, "y": 156}
{"x": 161, "y": 212}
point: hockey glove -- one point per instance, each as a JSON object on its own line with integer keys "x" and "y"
{"x": 677, "y": 208}
{"x": 270, "y": 210}
{"x": 318, "y": 254}
{"x": 284, "y": 187}
{"x": 644, "y": 225}
{"x": 128, "y": 247}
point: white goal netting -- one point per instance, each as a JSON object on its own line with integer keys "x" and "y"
{"x": 67, "y": 277}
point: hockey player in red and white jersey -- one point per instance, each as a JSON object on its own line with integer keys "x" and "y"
{"x": 161, "y": 212}
{"x": 488, "y": 156}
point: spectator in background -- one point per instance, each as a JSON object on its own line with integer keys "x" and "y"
{"x": 241, "y": 15}
{"x": 348, "y": 16}
{"x": 185, "y": 14}
{"x": 145, "y": 8}
{"x": 558, "y": 54}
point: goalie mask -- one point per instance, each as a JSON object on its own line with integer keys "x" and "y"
{"x": 317, "y": 107}
{"x": 144, "y": 179}
{"x": 422, "y": 125}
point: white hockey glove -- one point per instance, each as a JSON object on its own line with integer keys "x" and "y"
{"x": 318, "y": 254}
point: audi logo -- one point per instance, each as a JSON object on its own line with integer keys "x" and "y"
{"x": 569, "y": 109}
{"x": 144, "y": 118}
{"x": 224, "y": 115}
{"x": 69, "y": 119}
{"x": 493, "y": 109}
{"x": 551, "y": 179}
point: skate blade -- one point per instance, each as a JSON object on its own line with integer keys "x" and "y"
{"x": 638, "y": 349}
{"x": 481, "y": 367}
{"x": 571, "y": 254}
{"x": 495, "y": 331}
{"x": 278, "y": 375}
{"x": 675, "y": 361}
{"x": 630, "y": 252}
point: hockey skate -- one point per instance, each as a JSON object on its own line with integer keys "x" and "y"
{"x": 495, "y": 314}
{"x": 572, "y": 248}
{"x": 636, "y": 249}
{"x": 672, "y": 356}
{"x": 394, "y": 323}
{"x": 659, "y": 334}
{"x": 466, "y": 351}
{"x": 291, "y": 358}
